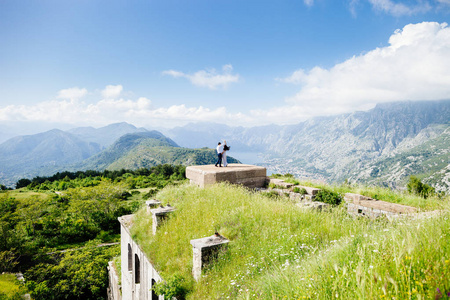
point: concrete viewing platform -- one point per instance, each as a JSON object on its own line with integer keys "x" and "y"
{"x": 247, "y": 175}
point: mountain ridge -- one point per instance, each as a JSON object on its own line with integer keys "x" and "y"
{"x": 349, "y": 146}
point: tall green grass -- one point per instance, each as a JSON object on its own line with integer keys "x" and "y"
{"x": 405, "y": 260}
{"x": 277, "y": 250}
{"x": 10, "y": 287}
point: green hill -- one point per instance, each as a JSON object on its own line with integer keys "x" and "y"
{"x": 147, "y": 149}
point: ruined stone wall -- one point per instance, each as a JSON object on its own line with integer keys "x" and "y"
{"x": 114, "y": 289}
{"x": 359, "y": 205}
{"x": 137, "y": 271}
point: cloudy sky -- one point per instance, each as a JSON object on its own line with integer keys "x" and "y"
{"x": 164, "y": 63}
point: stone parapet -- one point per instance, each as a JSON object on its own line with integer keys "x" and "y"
{"x": 365, "y": 206}
{"x": 159, "y": 215}
{"x": 247, "y": 175}
{"x": 355, "y": 198}
{"x": 151, "y": 204}
{"x": 204, "y": 251}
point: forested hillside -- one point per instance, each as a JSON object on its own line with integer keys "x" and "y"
{"x": 72, "y": 210}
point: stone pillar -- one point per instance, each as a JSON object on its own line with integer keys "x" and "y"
{"x": 159, "y": 214}
{"x": 152, "y": 204}
{"x": 204, "y": 251}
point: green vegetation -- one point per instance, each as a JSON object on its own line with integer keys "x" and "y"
{"x": 280, "y": 251}
{"x": 173, "y": 286}
{"x": 157, "y": 176}
{"x": 277, "y": 250}
{"x": 73, "y": 211}
{"x": 415, "y": 186}
{"x": 328, "y": 196}
{"x": 301, "y": 191}
{"x": 78, "y": 274}
{"x": 10, "y": 288}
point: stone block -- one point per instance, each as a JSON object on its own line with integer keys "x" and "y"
{"x": 355, "y": 198}
{"x": 205, "y": 250}
{"x": 151, "y": 204}
{"x": 280, "y": 183}
{"x": 310, "y": 190}
{"x": 314, "y": 205}
{"x": 159, "y": 215}
{"x": 247, "y": 175}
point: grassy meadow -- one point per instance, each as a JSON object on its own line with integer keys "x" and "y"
{"x": 278, "y": 250}
{"x": 10, "y": 287}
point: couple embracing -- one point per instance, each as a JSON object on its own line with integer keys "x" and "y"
{"x": 222, "y": 154}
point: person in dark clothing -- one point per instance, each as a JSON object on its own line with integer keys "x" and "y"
{"x": 219, "y": 154}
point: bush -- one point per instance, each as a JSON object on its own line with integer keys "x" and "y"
{"x": 329, "y": 197}
{"x": 415, "y": 186}
{"x": 150, "y": 194}
{"x": 175, "y": 286}
{"x": 301, "y": 191}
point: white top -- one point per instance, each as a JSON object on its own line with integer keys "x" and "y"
{"x": 219, "y": 148}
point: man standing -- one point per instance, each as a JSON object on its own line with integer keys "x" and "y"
{"x": 219, "y": 154}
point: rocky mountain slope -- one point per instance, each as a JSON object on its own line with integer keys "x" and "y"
{"x": 346, "y": 146}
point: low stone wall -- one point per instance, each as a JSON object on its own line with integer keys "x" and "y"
{"x": 359, "y": 205}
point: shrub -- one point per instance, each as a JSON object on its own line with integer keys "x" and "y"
{"x": 300, "y": 190}
{"x": 329, "y": 197}
{"x": 415, "y": 186}
{"x": 174, "y": 286}
{"x": 150, "y": 194}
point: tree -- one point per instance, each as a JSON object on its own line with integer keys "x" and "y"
{"x": 415, "y": 186}
{"x": 22, "y": 183}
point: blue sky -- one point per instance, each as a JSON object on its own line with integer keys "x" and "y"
{"x": 166, "y": 63}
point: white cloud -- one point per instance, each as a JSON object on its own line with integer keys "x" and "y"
{"x": 112, "y": 91}
{"x": 352, "y": 6}
{"x": 139, "y": 112}
{"x": 308, "y": 2}
{"x": 72, "y": 93}
{"x": 400, "y": 9}
{"x": 415, "y": 66}
{"x": 208, "y": 78}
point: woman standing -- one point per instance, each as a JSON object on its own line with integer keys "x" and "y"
{"x": 224, "y": 155}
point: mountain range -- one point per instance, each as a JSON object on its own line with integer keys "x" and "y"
{"x": 54, "y": 151}
{"x": 384, "y": 145}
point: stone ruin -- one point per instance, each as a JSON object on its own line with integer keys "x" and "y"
{"x": 359, "y": 205}
{"x": 138, "y": 273}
